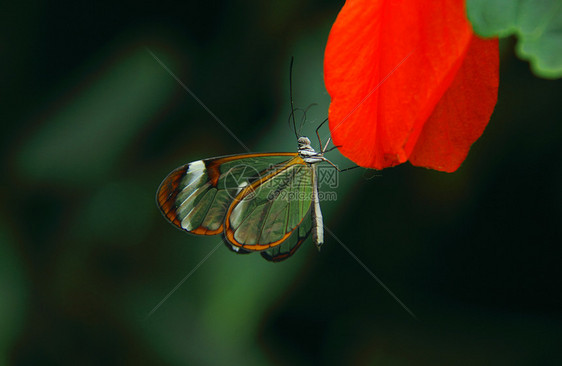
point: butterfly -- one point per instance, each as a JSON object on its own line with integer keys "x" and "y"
{"x": 259, "y": 202}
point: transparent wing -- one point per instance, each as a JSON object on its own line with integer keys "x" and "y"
{"x": 289, "y": 247}
{"x": 267, "y": 212}
{"x": 195, "y": 197}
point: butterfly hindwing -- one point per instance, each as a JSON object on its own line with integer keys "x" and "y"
{"x": 195, "y": 197}
{"x": 289, "y": 247}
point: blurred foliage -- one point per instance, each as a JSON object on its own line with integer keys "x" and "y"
{"x": 93, "y": 123}
{"x": 82, "y": 141}
{"x": 537, "y": 25}
{"x": 13, "y": 286}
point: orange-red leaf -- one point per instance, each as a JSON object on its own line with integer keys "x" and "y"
{"x": 463, "y": 112}
{"x": 387, "y": 66}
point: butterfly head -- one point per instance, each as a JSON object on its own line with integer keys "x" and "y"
{"x": 307, "y": 152}
{"x": 304, "y": 142}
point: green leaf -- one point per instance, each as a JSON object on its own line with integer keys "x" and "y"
{"x": 536, "y": 23}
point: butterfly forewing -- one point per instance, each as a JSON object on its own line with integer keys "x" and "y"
{"x": 196, "y": 196}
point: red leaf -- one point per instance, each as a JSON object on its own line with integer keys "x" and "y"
{"x": 387, "y": 66}
{"x": 463, "y": 112}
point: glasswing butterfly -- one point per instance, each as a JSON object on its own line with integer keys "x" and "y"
{"x": 259, "y": 202}
{"x": 266, "y": 202}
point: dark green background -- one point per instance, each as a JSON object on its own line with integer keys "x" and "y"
{"x": 92, "y": 124}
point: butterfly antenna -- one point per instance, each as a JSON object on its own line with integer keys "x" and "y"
{"x": 303, "y": 121}
{"x": 291, "y": 96}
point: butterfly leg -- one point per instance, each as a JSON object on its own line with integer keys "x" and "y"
{"x": 338, "y": 169}
{"x": 318, "y": 135}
